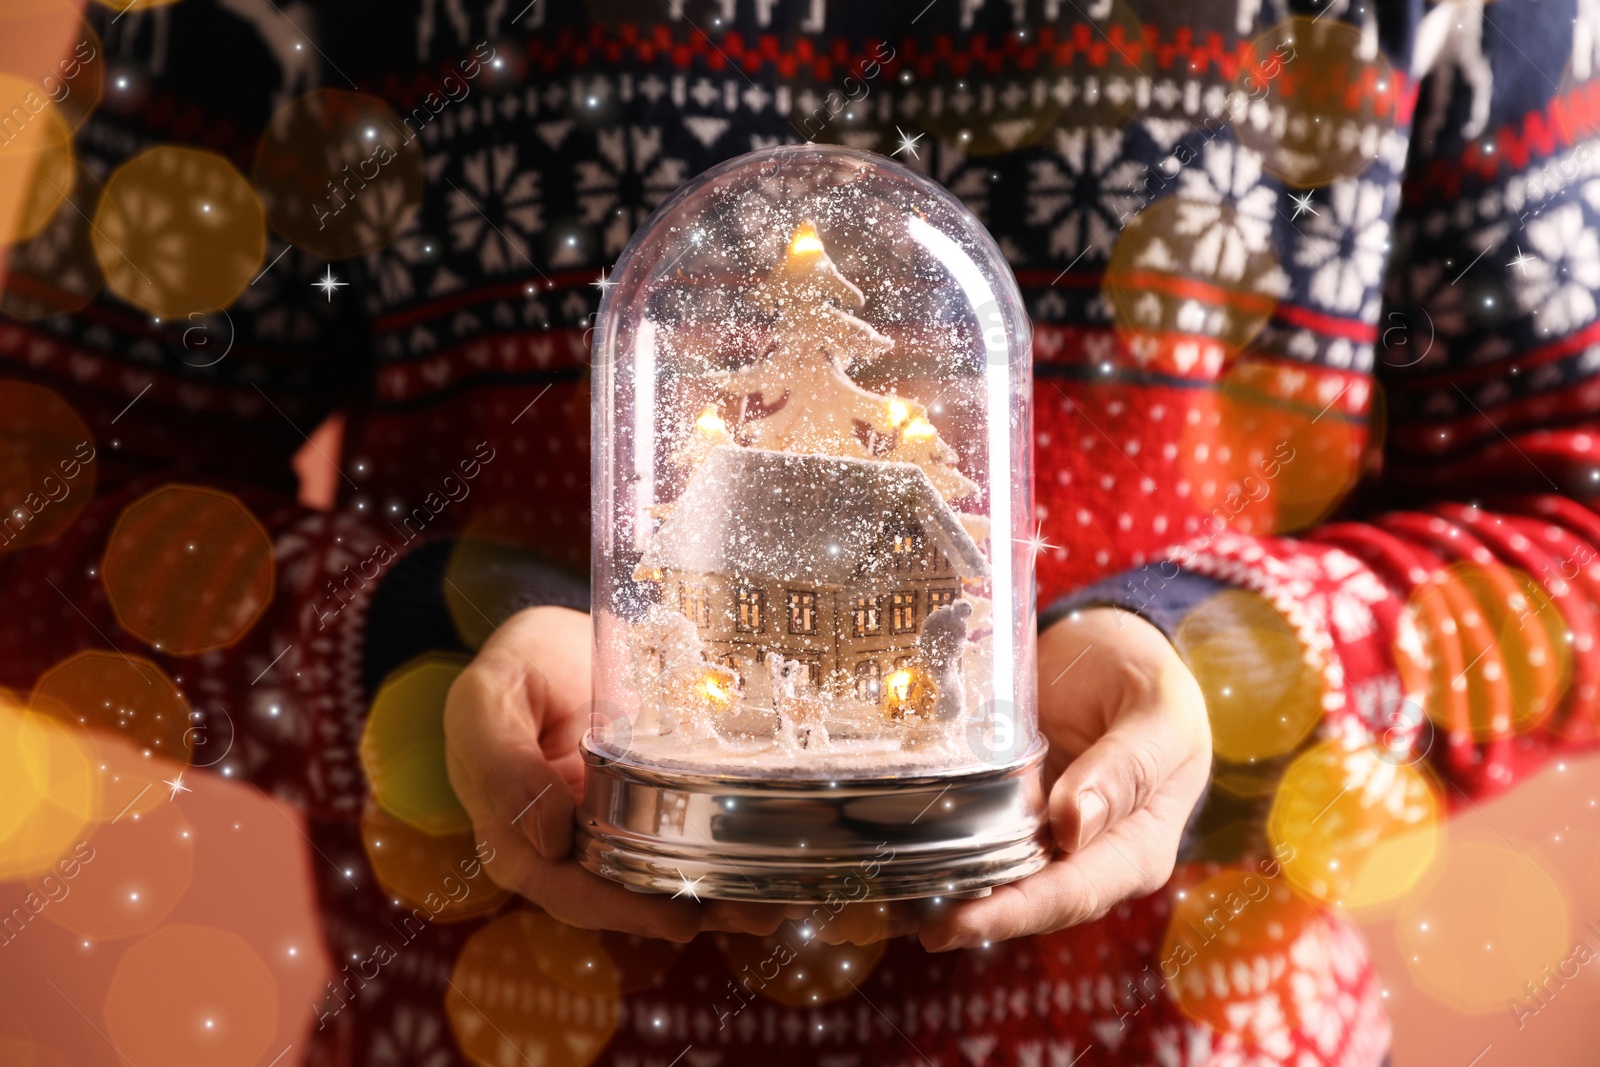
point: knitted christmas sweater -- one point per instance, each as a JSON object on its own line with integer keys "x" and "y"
{"x": 1315, "y": 338}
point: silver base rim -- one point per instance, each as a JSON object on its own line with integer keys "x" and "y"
{"x": 726, "y": 838}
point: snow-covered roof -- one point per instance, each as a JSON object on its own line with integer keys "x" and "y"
{"x": 819, "y": 520}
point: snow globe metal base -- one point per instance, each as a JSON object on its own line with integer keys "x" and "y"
{"x": 733, "y": 838}
{"x": 814, "y": 629}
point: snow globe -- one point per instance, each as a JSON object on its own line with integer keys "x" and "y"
{"x": 814, "y": 660}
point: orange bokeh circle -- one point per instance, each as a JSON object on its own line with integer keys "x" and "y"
{"x": 1239, "y": 918}
{"x": 131, "y": 876}
{"x": 47, "y": 464}
{"x": 528, "y": 984}
{"x": 37, "y": 162}
{"x": 442, "y": 873}
{"x": 188, "y": 569}
{"x": 179, "y": 230}
{"x": 192, "y": 994}
{"x": 1321, "y": 99}
{"x": 70, "y": 72}
{"x": 128, "y": 696}
{"x": 338, "y": 173}
{"x": 798, "y": 971}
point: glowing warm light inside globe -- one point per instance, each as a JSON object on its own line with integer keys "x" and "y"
{"x": 805, "y": 241}
{"x": 714, "y": 690}
{"x": 710, "y": 423}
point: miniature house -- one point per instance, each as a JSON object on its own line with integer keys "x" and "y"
{"x": 829, "y": 561}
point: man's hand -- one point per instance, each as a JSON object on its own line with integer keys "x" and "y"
{"x": 512, "y": 724}
{"x": 1130, "y": 751}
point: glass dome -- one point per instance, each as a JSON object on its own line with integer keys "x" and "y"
{"x": 812, "y": 482}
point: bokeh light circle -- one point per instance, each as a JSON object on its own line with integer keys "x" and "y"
{"x": 188, "y": 569}
{"x": 19, "y": 796}
{"x": 1323, "y": 98}
{"x": 1263, "y": 687}
{"x": 1529, "y": 647}
{"x": 440, "y": 872}
{"x": 797, "y": 971}
{"x": 37, "y": 164}
{"x": 1362, "y": 829}
{"x": 1238, "y": 920}
{"x": 1272, "y": 459}
{"x": 528, "y": 988}
{"x": 47, "y": 464}
{"x": 58, "y": 789}
{"x": 339, "y": 173}
{"x": 1486, "y": 919}
{"x": 130, "y": 876}
{"x": 128, "y": 696}
{"x": 179, "y": 230}
{"x": 1186, "y": 268}
{"x": 192, "y": 994}
{"x": 70, "y": 73}
{"x": 402, "y": 746}
{"x": 55, "y": 271}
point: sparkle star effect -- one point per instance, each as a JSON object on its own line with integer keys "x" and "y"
{"x": 1037, "y": 542}
{"x": 327, "y": 284}
{"x": 687, "y": 888}
{"x": 1302, "y": 205}
{"x": 177, "y": 786}
{"x": 603, "y": 283}
{"x": 1520, "y": 261}
{"x": 908, "y": 143}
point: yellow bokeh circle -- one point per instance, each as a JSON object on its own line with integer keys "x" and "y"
{"x": 50, "y": 793}
{"x": 37, "y": 164}
{"x": 1185, "y": 269}
{"x": 1263, "y": 687}
{"x": 402, "y": 746}
{"x": 1363, "y": 829}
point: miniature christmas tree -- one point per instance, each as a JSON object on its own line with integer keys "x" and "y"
{"x": 812, "y": 405}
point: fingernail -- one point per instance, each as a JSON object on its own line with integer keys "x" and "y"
{"x": 1091, "y": 817}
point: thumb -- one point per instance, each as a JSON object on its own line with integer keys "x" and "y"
{"x": 1112, "y": 779}
{"x": 531, "y": 796}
